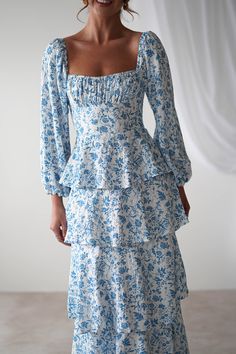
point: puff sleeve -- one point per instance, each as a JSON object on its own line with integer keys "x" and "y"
{"x": 159, "y": 90}
{"x": 55, "y": 147}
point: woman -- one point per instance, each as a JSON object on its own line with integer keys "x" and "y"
{"x": 126, "y": 189}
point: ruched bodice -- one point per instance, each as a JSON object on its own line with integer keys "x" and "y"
{"x": 113, "y": 149}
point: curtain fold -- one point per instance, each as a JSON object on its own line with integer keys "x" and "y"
{"x": 200, "y": 40}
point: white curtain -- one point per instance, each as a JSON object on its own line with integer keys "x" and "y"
{"x": 200, "y": 39}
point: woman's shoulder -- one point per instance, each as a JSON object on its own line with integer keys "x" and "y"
{"x": 53, "y": 55}
{"x": 153, "y": 39}
{"x": 53, "y": 47}
{"x": 154, "y": 49}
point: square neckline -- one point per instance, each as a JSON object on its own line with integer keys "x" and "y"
{"x": 125, "y": 72}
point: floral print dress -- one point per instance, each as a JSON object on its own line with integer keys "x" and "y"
{"x": 127, "y": 276}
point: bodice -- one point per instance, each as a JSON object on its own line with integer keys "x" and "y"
{"x": 113, "y": 149}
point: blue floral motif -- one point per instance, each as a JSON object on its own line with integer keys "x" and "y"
{"x": 159, "y": 90}
{"x": 55, "y": 148}
{"x": 127, "y": 277}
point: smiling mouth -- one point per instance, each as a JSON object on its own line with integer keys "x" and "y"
{"x": 104, "y": 2}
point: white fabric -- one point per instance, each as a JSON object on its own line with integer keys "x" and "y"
{"x": 200, "y": 40}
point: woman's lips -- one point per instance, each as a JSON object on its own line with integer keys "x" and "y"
{"x": 104, "y": 2}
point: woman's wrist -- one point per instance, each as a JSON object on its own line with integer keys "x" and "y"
{"x": 56, "y": 200}
{"x": 180, "y": 187}
{"x": 181, "y": 190}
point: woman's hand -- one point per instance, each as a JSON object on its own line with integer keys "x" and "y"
{"x": 58, "y": 219}
{"x": 184, "y": 199}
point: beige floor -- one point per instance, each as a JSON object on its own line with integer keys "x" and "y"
{"x": 36, "y": 323}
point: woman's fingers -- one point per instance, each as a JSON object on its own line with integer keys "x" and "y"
{"x": 59, "y": 222}
{"x": 64, "y": 228}
{"x": 59, "y": 230}
{"x": 67, "y": 244}
{"x": 56, "y": 229}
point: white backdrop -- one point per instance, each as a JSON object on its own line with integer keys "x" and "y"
{"x": 201, "y": 40}
{"x": 199, "y": 37}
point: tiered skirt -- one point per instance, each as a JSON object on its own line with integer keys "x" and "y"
{"x": 127, "y": 276}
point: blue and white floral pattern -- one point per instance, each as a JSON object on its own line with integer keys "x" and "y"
{"x": 126, "y": 216}
{"x": 167, "y": 338}
{"x": 127, "y": 277}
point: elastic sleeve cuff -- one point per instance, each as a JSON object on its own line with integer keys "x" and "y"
{"x": 61, "y": 192}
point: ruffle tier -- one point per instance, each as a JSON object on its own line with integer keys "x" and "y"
{"x": 126, "y": 272}
{"x": 170, "y": 339}
{"x": 125, "y": 217}
{"x": 120, "y": 161}
{"x": 123, "y": 290}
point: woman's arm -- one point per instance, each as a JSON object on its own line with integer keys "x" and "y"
{"x": 184, "y": 199}
{"x": 55, "y": 146}
{"x": 58, "y": 219}
{"x": 159, "y": 90}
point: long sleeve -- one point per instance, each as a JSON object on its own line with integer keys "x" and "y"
{"x": 55, "y": 147}
{"x": 159, "y": 90}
